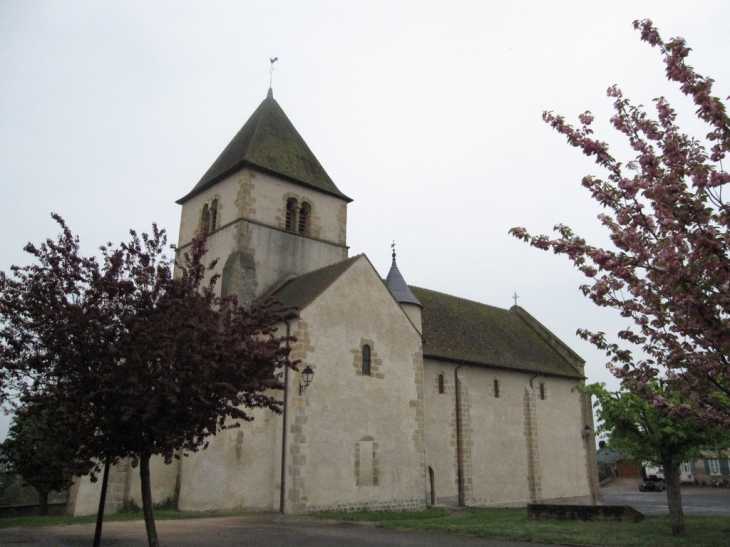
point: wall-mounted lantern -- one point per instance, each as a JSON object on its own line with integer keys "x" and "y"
{"x": 307, "y": 375}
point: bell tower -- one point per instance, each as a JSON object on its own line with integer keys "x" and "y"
{"x": 269, "y": 207}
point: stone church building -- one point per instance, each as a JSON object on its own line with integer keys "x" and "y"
{"x": 417, "y": 397}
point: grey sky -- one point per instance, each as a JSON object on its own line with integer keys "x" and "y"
{"x": 426, "y": 113}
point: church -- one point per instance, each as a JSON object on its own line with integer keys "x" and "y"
{"x": 404, "y": 398}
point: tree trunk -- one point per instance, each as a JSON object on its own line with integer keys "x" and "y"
{"x": 102, "y": 502}
{"x": 149, "y": 518}
{"x": 43, "y": 502}
{"x": 674, "y": 497}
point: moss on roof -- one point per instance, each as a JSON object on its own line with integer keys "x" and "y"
{"x": 301, "y": 291}
{"x": 268, "y": 141}
{"x": 463, "y": 330}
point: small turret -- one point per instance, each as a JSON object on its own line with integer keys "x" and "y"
{"x": 403, "y": 295}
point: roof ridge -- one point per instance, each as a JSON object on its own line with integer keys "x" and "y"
{"x": 330, "y": 265}
{"x": 264, "y": 107}
{"x": 459, "y": 297}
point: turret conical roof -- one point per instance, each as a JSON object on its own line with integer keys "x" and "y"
{"x": 398, "y": 286}
{"x": 269, "y": 142}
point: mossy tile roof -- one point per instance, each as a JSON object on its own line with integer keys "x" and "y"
{"x": 268, "y": 141}
{"x": 461, "y": 330}
{"x": 301, "y": 291}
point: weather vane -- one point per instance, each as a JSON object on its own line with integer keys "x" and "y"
{"x": 515, "y": 296}
{"x": 272, "y": 60}
{"x": 393, "y": 247}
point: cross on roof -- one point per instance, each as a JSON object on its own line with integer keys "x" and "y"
{"x": 515, "y": 297}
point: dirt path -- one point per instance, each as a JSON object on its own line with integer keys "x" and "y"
{"x": 241, "y": 531}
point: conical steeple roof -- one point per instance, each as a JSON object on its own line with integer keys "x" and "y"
{"x": 269, "y": 142}
{"x": 398, "y": 286}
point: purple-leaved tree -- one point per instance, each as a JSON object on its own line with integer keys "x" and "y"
{"x": 140, "y": 361}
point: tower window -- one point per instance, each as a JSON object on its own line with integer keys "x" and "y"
{"x": 441, "y": 383}
{"x": 214, "y": 215}
{"x": 291, "y": 214}
{"x": 542, "y": 391}
{"x": 205, "y": 219}
{"x": 304, "y": 214}
{"x": 366, "y": 360}
{"x": 496, "y": 388}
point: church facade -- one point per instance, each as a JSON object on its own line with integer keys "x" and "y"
{"x": 418, "y": 398}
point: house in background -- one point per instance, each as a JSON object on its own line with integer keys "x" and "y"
{"x": 712, "y": 467}
{"x": 418, "y": 397}
{"x": 613, "y": 463}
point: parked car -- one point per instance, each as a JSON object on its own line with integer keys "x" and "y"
{"x": 652, "y": 484}
{"x": 721, "y": 483}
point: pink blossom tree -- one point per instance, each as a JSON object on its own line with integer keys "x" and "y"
{"x": 669, "y": 268}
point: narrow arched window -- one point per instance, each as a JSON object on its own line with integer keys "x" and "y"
{"x": 542, "y": 391}
{"x": 304, "y": 213}
{"x": 205, "y": 219}
{"x": 291, "y": 214}
{"x": 496, "y": 388}
{"x": 366, "y": 360}
{"x": 214, "y": 215}
{"x": 441, "y": 383}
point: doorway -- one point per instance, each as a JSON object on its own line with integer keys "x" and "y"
{"x": 432, "y": 485}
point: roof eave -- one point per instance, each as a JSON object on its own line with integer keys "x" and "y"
{"x": 562, "y": 349}
{"x": 501, "y": 367}
{"x": 246, "y": 163}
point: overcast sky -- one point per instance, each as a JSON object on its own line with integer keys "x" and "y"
{"x": 427, "y": 114}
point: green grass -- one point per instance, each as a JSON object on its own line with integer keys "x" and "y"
{"x": 514, "y": 524}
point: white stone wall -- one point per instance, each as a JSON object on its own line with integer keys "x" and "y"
{"x": 124, "y": 487}
{"x": 441, "y": 431}
{"x": 238, "y": 470}
{"x": 562, "y": 448}
{"x": 356, "y": 441}
{"x": 516, "y": 448}
{"x": 499, "y": 454}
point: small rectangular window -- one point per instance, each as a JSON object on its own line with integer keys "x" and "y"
{"x": 496, "y": 388}
{"x": 441, "y": 383}
{"x": 366, "y": 360}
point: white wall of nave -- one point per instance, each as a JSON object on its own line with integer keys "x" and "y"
{"x": 238, "y": 470}
{"x": 357, "y": 440}
{"x": 516, "y": 447}
{"x": 560, "y": 427}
